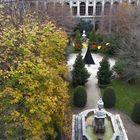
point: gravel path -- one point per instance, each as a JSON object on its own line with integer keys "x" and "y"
{"x": 93, "y": 91}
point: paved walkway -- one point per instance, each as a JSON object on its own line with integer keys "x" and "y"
{"x": 93, "y": 91}
{"x": 93, "y": 94}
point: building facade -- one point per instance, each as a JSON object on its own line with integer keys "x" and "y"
{"x": 88, "y": 10}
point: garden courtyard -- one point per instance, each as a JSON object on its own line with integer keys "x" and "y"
{"x": 126, "y": 94}
{"x": 66, "y": 78}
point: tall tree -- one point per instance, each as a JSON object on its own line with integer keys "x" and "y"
{"x": 33, "y": 95}
{"x": 128, "y": 64}
{"x": 127, "y": 26}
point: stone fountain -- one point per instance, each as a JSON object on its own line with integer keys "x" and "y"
{"x": 97, "y": 124}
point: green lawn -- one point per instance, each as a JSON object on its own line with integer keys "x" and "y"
{"x": 127, "y": 95}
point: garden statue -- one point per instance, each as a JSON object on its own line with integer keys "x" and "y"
{"x": 84, "y": 35}
{"x": 99, "y": 118}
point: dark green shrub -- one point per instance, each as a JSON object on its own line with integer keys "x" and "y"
{"x": 80, "y": 96}
{"x": 104, "y": 73}
{"x": 109, "y": 97}
{"x": 80, "y": 74}
{"x": 136, "y": 113}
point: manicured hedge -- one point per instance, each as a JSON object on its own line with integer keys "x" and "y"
{"x": 80, "y": 96}
{"x": 109, "y": 97}
{"x": 136, "y": 113}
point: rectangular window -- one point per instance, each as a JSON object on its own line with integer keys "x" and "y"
{"x": 90, "y": 10}
{"x": 74, "y": 10}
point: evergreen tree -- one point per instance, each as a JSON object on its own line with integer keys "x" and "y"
{"x": 104, "y": 73}
{"x": 79, "y": 73}
{"x": 78, "y": 41}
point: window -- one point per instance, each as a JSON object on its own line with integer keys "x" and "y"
{"x": 115, "y": 6}
{"x": 106, "y": 26}
{"x": 107, "y": 8}
{"x": 74, "y": 10}
{"x": 90, "y": 10}
{"x": 98, "y": 8}
{"x": 97, "y": 25}
{"x": 41, "y": 5}
{"x": 134, "y": 3}
{"x": 82, "y": 8}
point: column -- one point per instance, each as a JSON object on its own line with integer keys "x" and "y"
{"x": 78, "y": 8}
{"x": 45, "y": 5}
{"x": 103, "y": 2}
{"x": 86, "y": 7}
{"x": 71, "y": 7}
{"x": 94, "y": 8}
{"x": 110, "y": 19}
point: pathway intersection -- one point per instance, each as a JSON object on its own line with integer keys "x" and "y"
{"x": 93, "y": 91}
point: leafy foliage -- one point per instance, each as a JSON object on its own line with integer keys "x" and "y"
{"x": 127, "y": 66}
{"x": 80, "y": 74}
{"x": 33, "y": 95}
{"x": 109, "y": 97}
{"x": 136, "y": 113}
{"x": 104, "y": 73}
{"x": 80, "y": 96}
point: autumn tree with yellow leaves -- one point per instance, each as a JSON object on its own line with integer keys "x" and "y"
{"x": 33, "y": 95}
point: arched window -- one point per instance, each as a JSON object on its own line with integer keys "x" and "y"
{"x": 98, "y": 8}
{"x": 41, "y": 5}
{"x": 115, "y": 6}
{"x": 134, "y": 3}
{"x": 82, "y": 8}
{"x": 107, "y": 8}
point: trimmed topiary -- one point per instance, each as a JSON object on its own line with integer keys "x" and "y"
{"x": 109, "y": 97}
{"x": 80, "y": 96}
{"x": 80, "y": 74}
{"x": 136, "y": 113}
{"x": 104, "y": 73}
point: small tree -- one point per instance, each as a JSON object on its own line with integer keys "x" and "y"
{"x": 80, "y": 96}
{"x": 78, "y": 41}
{"x": 136, "y": 113}
{"x": 109, "y": 97}
{"x": 104, "y": 73}
{"x": 79, "y": 73}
